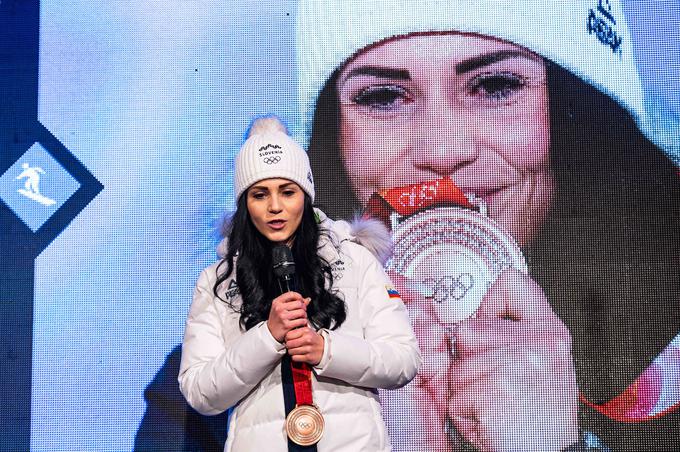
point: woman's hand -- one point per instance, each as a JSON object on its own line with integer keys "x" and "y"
{"x": 418, "y": 411}
{"x": 502, "y": 381}
{"x": 305, "y": 345}
{"x": 288, "y": 311}
{"x": 512, "y": 381}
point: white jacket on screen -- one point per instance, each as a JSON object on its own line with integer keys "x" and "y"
{"x": 223, "y": 366}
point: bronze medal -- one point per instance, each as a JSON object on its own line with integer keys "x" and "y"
{"x": 304, "y": 425}
{"x": 451, "y": 256}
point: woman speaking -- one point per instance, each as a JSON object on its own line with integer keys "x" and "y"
{"x": 297, "y": 325}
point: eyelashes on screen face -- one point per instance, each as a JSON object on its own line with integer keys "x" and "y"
{"x": 497, "y": 87}
{"x": 487, "y": 90}
{"x": 383, "y": 98}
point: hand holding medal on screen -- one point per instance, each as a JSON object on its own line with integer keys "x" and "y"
{"x": 512, "y": 384}
{"x": 473, "y": 306}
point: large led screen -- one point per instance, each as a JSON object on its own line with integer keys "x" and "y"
{"x": 523, "y": 155}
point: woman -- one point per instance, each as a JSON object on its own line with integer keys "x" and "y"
{"x": 536, "y": 113}
{"x": 246, "y": 342}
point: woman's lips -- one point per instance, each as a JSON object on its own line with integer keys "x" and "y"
{"x": 277, "y": 224}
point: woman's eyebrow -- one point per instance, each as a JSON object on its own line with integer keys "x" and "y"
{"x": 377, "y": 71}
{"x": 491, "y": 58}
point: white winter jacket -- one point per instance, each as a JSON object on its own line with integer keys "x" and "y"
{"x": 224, "y": 367}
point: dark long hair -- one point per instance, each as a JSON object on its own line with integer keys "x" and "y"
{"x": 257, "y": 285}
{"x": 334, "y": 190}
{"x": 607, "y": 255}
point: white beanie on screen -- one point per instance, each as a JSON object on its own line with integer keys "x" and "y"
{"x": 589, "y": 38}
{"x": 269, "y": 153}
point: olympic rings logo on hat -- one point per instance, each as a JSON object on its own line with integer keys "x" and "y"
{"x": 271, "y": 160}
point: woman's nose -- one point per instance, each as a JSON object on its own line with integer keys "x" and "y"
{"x": 274, "y": 204}
{"x": 445, "y": 141}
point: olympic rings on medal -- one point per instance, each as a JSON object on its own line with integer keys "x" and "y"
{"x": 449, "y": 288}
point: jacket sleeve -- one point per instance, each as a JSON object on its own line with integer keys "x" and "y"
{"x": 387, "y": 356}
{"x": 219, "y": 368}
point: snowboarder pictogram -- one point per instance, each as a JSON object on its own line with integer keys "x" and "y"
{"x": 31, "y": 188}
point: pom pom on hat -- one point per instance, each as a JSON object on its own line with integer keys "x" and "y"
{"x": 270, "y": 153}
{"x": 265, "y": 125}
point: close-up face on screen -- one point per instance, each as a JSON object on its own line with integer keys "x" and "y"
{"x": 522, "y": 156}
{"x": 459, "y": 106}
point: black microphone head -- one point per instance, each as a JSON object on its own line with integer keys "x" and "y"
{"x": 282, "y": 261}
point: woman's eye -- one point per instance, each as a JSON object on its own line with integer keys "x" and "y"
{"x": 497, "y": 86}
{"x": 257, "y": 195}
{"x": 382, "y": 97}
{"x": 289, "y": 192}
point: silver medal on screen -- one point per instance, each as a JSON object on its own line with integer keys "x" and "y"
{"x": 451, "y": 256}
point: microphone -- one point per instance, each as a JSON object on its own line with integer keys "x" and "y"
{"x": 283, "y": 266}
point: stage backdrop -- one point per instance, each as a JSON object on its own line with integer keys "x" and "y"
{"x": 119, "y": 122}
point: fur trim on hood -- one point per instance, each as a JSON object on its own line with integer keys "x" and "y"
{"x": 367, "y": 232}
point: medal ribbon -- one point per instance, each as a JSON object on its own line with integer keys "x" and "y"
{"x": 413, "y": 198}
{"x": 302, "y": 381}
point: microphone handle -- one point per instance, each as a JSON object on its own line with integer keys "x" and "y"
{"x": 286, "y": 283}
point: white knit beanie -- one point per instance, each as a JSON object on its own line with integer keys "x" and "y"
{"x": 590, "y": 38}
{"x": 270, "y": 153}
